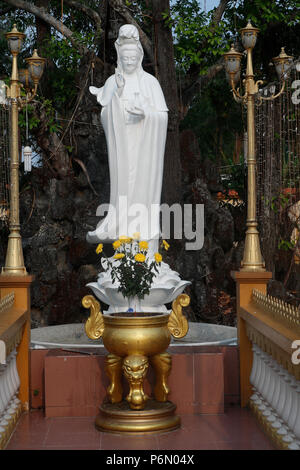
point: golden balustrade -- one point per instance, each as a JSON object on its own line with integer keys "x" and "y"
{"x": 7, "y": 302}
{"x": 274, "y": 326}
{"x": 278, "y": 309}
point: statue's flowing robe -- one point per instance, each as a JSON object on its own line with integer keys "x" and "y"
{"x": 136, "y": 155}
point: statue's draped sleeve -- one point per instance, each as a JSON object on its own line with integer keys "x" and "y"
{"x": 104, "y": 94}
{"x": 149, "y": 86}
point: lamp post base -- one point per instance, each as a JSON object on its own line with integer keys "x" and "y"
{"x": 252, "y": 259}
{"x": 14, "y": 262}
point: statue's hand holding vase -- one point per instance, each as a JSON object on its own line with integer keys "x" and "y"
{"x": 136, "y": 108}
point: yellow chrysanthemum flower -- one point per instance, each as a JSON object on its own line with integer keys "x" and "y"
{"x": 140, "y": 258}
{"x": 143, "y": 245}
{"x": 125, "y": 239}
{"x": 136, "y": 236}
{"x": 158, "y": 257}
{"x": 116, "y": 244}
{"x": 119, "y": 256}
{"x": 99, "y": 248}
{"x": 166, "y": 245}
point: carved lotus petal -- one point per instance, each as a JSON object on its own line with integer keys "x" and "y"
{"x": 99, "y": 293}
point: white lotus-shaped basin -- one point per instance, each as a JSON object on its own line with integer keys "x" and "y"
{"x": 166, "y": 286}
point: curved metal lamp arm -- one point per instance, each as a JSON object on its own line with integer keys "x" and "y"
{"x": 273, "y": 97}
{"x": 237, "y": 97}
{"x": 236, "y": 94}
{"x": 30, "y": 95}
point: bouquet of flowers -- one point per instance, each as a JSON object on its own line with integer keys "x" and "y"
{"x": 133, "y": 270}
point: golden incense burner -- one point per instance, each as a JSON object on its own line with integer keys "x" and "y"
{"x": 135, "y": 341}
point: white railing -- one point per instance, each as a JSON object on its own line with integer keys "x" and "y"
{"x": 10, "y": 405}
{"x": 276, "y": 399}
{"x": 9, "y": 402}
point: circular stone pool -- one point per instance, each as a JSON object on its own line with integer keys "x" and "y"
{"x": 73, "y": 336}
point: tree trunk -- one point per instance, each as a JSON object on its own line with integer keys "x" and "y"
{"x": 166, "y": 74}
{"x": 43, "y": 29}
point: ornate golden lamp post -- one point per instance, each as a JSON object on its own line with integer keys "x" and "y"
{"x": 14, "y": 263}
{"x": 252, "y": 259}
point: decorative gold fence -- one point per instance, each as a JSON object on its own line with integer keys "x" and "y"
{"x": 273, "y": 330}
{"x": 14, "y": 352}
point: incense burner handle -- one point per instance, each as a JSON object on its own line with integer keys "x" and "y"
{"x": 178, "y": 324}
{"x": 94, "y": 325}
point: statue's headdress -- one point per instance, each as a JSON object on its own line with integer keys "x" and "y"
{"x": 128, "y": 34}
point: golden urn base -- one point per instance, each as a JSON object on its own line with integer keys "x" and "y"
{"x": 154, "y": 418}
{"x": 135, "y": 342}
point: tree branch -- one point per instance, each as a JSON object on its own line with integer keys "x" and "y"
{"x": 43, "y": 15}
{"x": 123, "y": 11}
{"x": 202, "y": 81}
{"x": 95, "y": 17}
{"x": 219, "y": 12}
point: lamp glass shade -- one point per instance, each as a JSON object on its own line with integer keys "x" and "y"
{"x": 14, "y": 44}
{"x": 249, "y": 36}
{"x": 282, "y": 68}
{"x": 233, "y": 76}
{"x": 232, "y": 60}
{"x": 25, "y": 78}
{"x": 232, "y": 64}
{"x": 279, "y": 69}
{"x": 282, "y": 63}
{"x": 249, "y": 40}
{"x": 35, "y": 66}
{"x": 36, "y": 71}
{"x": 15, "y": 40}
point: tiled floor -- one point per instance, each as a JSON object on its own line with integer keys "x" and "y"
{"x": 236, "y": 429}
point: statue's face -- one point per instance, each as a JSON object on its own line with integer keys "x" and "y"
{"x": 129, "y": 57}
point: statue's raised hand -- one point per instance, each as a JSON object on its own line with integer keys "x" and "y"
{"x": 120, "y": 80}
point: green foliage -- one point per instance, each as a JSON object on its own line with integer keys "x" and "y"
{"x": 266, "y": 12}
{"x": 215, "y": 118}
{"x": 286, "y": 245}
{"x": 236, "y": 173}
{"x": 213, "y": 115}
{"x": 198, "y": 44}
{"x": 197, "y": 41}
{"x": 191, "y": 28}
{"x": 33, "y": 121}
{"x": 278, "y": 203}
{"x": 52, "y": 124}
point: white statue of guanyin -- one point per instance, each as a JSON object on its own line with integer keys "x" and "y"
{"x": 134, "y": 117}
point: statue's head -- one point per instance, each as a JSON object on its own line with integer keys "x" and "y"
{"x": 129, "y": 49}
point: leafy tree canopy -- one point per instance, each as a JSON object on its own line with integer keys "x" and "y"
{"x": 86, "y": 31}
